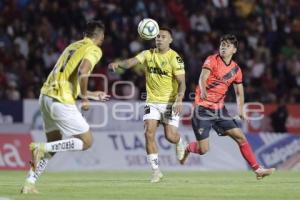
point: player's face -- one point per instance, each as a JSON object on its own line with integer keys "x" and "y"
{"x": 100, "y": 38}
{"x": 227, "y": 49}
{"x": 163, "y": 40}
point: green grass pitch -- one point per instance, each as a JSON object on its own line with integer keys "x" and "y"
{"x": 200, "y": 185}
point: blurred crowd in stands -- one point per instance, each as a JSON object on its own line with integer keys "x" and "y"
{"x": 33, "y": 33}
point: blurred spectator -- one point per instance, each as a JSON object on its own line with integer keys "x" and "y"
{"x": 220, "y": 3}
{"x": 2, "y": 76}
{"x": 12, "y": 93}
{"x": 34, "y": 33}
{"x": 199, "y": 22}
{"x": 49, "y": 57}
{"x": 289, "y": 50}
{"x": 258, "y": 67}
{"x": 279, "y": 118}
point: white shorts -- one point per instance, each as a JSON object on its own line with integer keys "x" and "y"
{"x": 161, "y": 112}
{"x": 63, "y": 117}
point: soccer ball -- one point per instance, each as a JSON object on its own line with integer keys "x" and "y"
{"x": 148, "y": 29}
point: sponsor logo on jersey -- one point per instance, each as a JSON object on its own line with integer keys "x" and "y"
{"x": 156, "y": 70}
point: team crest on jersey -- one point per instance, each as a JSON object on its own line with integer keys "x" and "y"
{"x": 163, "y": 63}
{"x": 179, "y": 60}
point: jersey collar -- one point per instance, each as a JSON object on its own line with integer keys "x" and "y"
{"x": 89, "y": 40}
{"x": 156, "y": 50}
{"x": 224, "y": 60}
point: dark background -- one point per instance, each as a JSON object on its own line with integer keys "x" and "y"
{"x": 33, "y": 33}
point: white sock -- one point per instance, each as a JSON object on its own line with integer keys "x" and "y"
{"x": 72, "y": 144}
{"x": 153, "y": 160}
{"x": 34, "y": 175}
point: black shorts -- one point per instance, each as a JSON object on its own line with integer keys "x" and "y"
{"x": 204, "y": 119}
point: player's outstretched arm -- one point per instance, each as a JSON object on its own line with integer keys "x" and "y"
{"x": 239, "y": 93}
{"x": 202, "y": 82}
{"x": 125, "y": 64}
{"x": 98, "y": 95}
{"x": 85, "y": 95}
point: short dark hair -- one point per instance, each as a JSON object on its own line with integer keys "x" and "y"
{"x": 231, "y": 39}
{"x": 166, "y": 29}
{"x": 92, "y": 27}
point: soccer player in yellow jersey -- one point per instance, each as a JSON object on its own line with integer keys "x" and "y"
{"x": 68, "y": 80}
{"x": 165, "y": 85}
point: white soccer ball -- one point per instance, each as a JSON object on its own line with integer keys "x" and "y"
{"x": 148, "y": 29}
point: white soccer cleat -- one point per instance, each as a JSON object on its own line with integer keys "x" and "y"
{"x": 262, "y": 172}
{"x": 29, "y": 188}
{"x": 38, "y": 153}
{"x": 156, "y": 176}
{"x": 185, "y": 156}
{"x": 180, "y": 149}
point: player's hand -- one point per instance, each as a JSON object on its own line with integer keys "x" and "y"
{"x": 242, "y": 115}
{"x": 85, "y": 104}
{"x": 203, "y": 94}
{"x": 177, "y": 107}
{"x": 99, "y": 96}
{"x": 113, "y": 66}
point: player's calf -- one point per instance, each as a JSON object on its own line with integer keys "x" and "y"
{"x": 87, "y": 139}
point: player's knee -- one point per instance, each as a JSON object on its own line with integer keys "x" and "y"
{"x": 87, "y": 144}
{"x": 240, "y": 138}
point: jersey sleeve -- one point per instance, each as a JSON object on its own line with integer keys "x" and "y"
{"x": 177, "y": 65}
{"x": 141, "y": 57}
{"x": 239, "y": 77}
{"x": 209, "y": 63}
{"x": 93, "y": 55}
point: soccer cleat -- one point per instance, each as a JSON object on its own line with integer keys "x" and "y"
{"x": 185, "y": 156}
{"x": 262, "y": 172}
{"x": 37, "y": 152}
{"x": 180, "y": 148}
{"x": 29, "y": 188}
{"x": 156, "y": 176}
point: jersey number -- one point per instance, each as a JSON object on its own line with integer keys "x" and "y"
{"x": 71, "y": 52}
